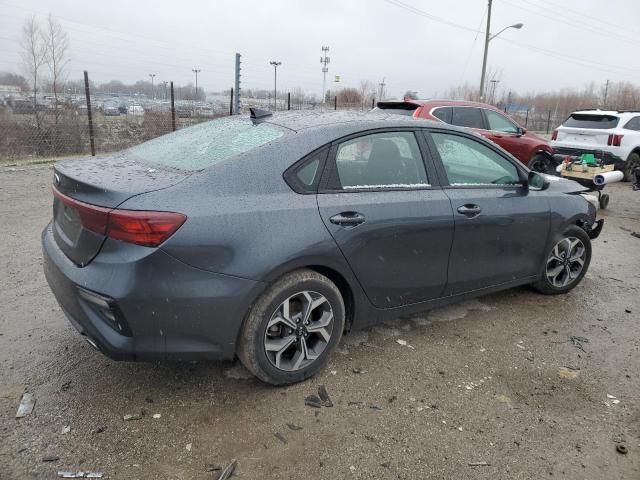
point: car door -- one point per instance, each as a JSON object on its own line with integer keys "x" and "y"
{"x": 392, "y": 224}
{"x": 501, "y": 227}
{"x": 505, "y": 133}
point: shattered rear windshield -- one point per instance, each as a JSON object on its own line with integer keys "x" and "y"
{"x": 205, "y": 144}
{"x": 581, "y": 120}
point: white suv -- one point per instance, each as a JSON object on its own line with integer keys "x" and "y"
{"x": 610, "y": 134}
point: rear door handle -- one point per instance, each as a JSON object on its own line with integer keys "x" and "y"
{"x": 347, "y": 219}
{"x": 469, "y": 209}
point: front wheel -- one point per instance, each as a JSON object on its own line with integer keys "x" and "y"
{"x": 566, "y": 263}
{"x": 630, "y": 166}
{"x": 292, "y": 329}
{"x": 542, "y": 163}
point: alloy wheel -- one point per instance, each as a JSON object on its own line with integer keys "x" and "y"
{"x": 299, "y": 331}
{"x": 566, "y": 261}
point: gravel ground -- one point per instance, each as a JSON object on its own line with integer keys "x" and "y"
{"x": 496, "y": 380}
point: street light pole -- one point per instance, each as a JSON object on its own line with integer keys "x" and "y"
{"x": 196, "y": 71}
{"x": 487, "y": 38}
{"x": 275, "y": 83}
{"x": 152, "y": 75}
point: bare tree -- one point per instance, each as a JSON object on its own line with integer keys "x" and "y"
{"x": 33, "y": 56}
{"x": 56, "y": 56}
{"x": 368, "y": 90}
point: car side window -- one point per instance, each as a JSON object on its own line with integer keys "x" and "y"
{"x": 380, "y": 160}
{"x": 470, "y": 117}
{"x": 303, "y": 177}
{"x": 443, "y": 113}
{"x": 469, "y": 162}
{"x": 500, "y": 123}
{"x": 633, "y": 124}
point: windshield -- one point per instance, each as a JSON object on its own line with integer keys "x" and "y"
{"x": 206, "y": 144}
{"x": 580, "y": 120}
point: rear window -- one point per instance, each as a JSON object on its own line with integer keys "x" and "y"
{"x": 467, "y": 117}
{"x": 206, "y": 144}
{"x": 581, "y": 120}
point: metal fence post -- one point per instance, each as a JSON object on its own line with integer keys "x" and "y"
{"x": 231, "y": 103}
{"x": 288, "y": 100}
{"x": 236, "y": 108}
{"x": 526, "y": 119}
{"x": 88, "y": 96}
{"x": 173, "y": 111}
{"x": 548, "y": 121}
{"x": 335, "y": 102}
{"x": 373, "y": 102}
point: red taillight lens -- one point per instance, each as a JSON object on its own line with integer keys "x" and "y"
{"x": 143, "y": 228}
{"x": 617, "y": 140}
{"x": 146, "y": 228}
{"x": 554, "y": 135}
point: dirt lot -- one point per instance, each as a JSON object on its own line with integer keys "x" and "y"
{"x": 496, "y": 380}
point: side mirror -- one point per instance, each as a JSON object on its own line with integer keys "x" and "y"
{"x": 521, "y": 131}
{"x": 536, "y": 181}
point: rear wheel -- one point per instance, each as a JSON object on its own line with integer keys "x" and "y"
{"x": 631, "y": 164}
{"x": 566, "y": 263}
{"x": 292, "y": 329}
{"x": 541, "y": 163}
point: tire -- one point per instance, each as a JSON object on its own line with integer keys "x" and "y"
{"x": 268, "y": 327}
{"x": 555, "y": 262}
{"x": 633, "y": 162}
{"x": 541, "y": 163}
{"x": 604, "y": 201}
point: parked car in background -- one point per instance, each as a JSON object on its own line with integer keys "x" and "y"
{"x": 135, "y": 110}
{"x": 110, "y": 110}
{"x": 268, "y": 237}
{"x": 184, "y": 111}
{"x": 613, "y": 135}
{"x": 531, "y": 149}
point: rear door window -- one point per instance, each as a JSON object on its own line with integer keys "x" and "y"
{"x": 633, "y": 124}
{"x": 380, "y": 160}
{"x": 470, "y": 117}
{"x": 593, "y": 121}
{"x": 443, "y": 113}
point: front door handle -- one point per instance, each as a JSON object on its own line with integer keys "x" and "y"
{"x": 469, "y": 210}
{"x": 347, "y": 219}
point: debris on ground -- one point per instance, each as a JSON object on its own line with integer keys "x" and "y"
{"x": 627, "y": 310}
{"x": 130, "y": 417}
{"x": 227, "y": 472}
{"x": 156, "y": 415}
{"x": 358, "y": 370}
{"x": 635, "y": 234}
{"x": 79, "y": 474}
{"x": 579, "y": 341}
{"x": 478, "y": 464}
{"x": 188, "y": 447}
{"x": 313, "y": 401}
{"x": 27, "y": 403}
{"x": 281, "y": 437}
{"x": 622, "y": 448}
{"x": 50, "y": 458}
{"x": 65, "y": 386}
{"x": 404, "y": 343}
{"x": 324, "y": 396}
{"x": 568, "y": 372}
{"x": 212, "y": 467}
{"x": 294, "y": 427}
{"x": 99, "y": 429}
{"x": 66, "y": 429}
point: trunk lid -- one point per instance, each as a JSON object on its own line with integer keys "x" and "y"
{"x": 105, "y": 182}
{"x": 588, "y": 129}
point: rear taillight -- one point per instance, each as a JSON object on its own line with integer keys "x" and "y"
{"x": 554, "y": 135}
{"x": 614, "y": 140}
{"x": 141, "y": 227}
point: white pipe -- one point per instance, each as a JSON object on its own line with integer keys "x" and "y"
{"x": 608, "y": 177}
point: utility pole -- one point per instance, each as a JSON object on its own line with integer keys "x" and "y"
{"x": 152, "y": 75}
{"x": 493, "y": 90}
{"x": 487, "y": 38}
{"x": 236, "y": 99}
{"x": 275, "y": 83}
{"x": 165, "y": 89}
{"x": 381, "y": 85}
{"x": 196, "y": 71}
{"x": 324, "y": 60}
{"x": 606, "y": 92}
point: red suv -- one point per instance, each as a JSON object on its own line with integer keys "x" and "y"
{"x": 532, "y": 150}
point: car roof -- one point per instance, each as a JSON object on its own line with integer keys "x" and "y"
{"x": 436, "y": 102}
{"x": 302, "y": 120}
{"x": 615, "y": 113}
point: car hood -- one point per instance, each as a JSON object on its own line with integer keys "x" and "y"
{"x": 563, "y": 185}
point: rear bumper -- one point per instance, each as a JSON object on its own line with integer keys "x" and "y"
{"x": 138, "y": 303}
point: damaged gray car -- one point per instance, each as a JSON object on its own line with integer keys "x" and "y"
{"x": 268, "y": 237}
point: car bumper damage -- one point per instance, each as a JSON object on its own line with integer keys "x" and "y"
{"x": 148, "y": 305}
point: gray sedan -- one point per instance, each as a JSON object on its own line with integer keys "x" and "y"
{"x": 269, "y": 237}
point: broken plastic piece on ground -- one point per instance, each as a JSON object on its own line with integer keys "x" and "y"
{"x": 294, "y": 427}
{"x": 50, "y": 458}
{"x": 324, "y": 396}
{"x": 66, "y": 429}
{"x": 188, "y": 447}
{"x": 313, "y": 401}
{"x": 404, "y": 343}
{"x": 79, "y": 474}
{"x": 566, "y": 372}
{"x": 211, "y": 467}
{"x": 281, "y": 437}
{"x": 227, "y": 472}
{"x": 129, "y": 417}
{"x": 478, "y": 464}
{"x": 27, "y": 403}
{"x": 156, "y": 415}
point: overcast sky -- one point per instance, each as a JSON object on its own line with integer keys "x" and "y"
{"x": 564, "y": 43}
